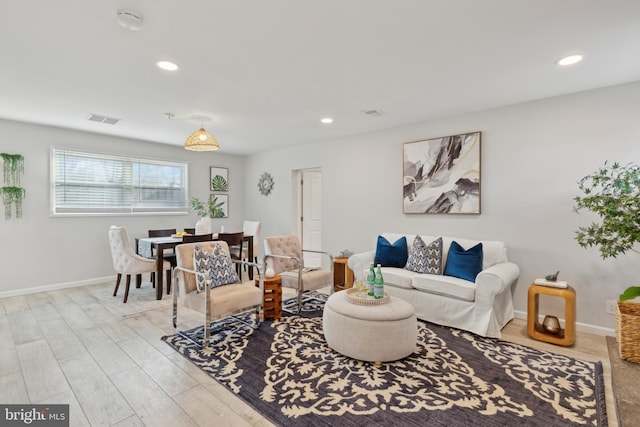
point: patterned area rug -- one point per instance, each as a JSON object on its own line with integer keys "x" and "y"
{"x": 287, "y": 372}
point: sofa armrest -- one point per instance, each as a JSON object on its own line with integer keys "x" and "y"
{"x": 497, "y": 278}
{"x": 360, "y": 262}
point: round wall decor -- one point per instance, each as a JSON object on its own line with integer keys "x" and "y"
{"x": 265, "y": 183}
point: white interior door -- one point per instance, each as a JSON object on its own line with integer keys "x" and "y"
{"x": 311, "y": 218}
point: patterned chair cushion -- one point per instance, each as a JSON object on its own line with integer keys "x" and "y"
{"x": 217, "y": 267}
{"x": 425, "y": 258}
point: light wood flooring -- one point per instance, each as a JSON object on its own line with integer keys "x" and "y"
{"x": 83, "y": 347}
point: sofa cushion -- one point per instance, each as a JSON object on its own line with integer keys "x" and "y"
{"x": 391, "y": 254}
{"x": 217, "y": 267}
{"x": 398, "y": 277}
{"x": 445, "y": 285}
{"x": 464, "y": 264}
{"x": 425, "y": 258}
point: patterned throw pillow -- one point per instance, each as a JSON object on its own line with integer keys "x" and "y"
{"x": 217, "y": 267}
{"x": 425, "y": 258}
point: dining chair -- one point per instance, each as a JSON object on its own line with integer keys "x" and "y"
{"x": 197, "y": 238}
{"x": 284, "y": 256}
{"x": 126, "y": 261}
{"x": 234, "y": 242}
{"x": 252, "y": 228}
{"x": 169, "y": 254}
{"x": 212, "y": 296}
{"x": 190, "y": 230}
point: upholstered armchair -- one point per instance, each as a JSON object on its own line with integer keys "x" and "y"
{"x": 126, "y": 261}
{"x": 284, "y": 256}
{"x": 217, "y": 302}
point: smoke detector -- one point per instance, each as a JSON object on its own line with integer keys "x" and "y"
{"x": 129, "y": 19}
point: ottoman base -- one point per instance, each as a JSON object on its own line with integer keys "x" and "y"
{"x": 380, "y": 333}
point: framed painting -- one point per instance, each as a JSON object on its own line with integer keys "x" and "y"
{"x": 219, "y": 179}
{"x": 219, "y": 205}
{"x": 442, "y": 175}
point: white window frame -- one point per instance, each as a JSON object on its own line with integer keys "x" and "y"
{"x": 130, "y": 207}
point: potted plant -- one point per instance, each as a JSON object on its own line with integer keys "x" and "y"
{"x": 12, "y": 194}
{"x": 213, "y": 209}
{"x": 613, "y": 193}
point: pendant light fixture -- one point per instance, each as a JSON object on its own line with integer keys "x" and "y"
{"x": 200, "y": 140}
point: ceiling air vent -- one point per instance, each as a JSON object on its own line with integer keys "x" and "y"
{"x": 103, "y": 119}
{"x": 372, "y": 112}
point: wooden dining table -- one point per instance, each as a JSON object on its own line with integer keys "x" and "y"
{"x": 146, "y": 246}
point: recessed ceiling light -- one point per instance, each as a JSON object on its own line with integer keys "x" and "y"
{"x": 167, "y": 65}
{"x": 326, "y": 120}
{"x": 569, "y": 60}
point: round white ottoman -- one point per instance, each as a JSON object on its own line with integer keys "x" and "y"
{"x": 377, "y": 333}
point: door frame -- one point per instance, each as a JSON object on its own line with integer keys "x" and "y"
{"x": 298, "y": 199}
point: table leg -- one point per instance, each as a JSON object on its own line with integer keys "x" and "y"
{"x": 159, "y": 273}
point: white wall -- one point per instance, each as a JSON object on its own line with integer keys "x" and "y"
{"x": 40, "y": 251}
{"x": 533, "y": 154}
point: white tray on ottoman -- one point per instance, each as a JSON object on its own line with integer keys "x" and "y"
{"x": 373, "y": 333}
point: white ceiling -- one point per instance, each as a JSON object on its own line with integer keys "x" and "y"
{"x": 266, "y": 72}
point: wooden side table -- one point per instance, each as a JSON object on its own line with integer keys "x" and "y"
{"x": 272, "y": 300}
{"x": 566, "y": 336}
{"x": 342, "y": 274}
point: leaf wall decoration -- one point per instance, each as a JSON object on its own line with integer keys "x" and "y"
{"x": 218, "y": 183}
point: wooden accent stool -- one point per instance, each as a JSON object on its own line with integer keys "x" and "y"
{"x": 566, "y": 336}
{"x": 342, "y": 274}
{"x": 272, "y": 296}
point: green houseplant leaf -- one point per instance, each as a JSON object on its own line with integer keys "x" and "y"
{"x": 198, "y": 207}
{"x": 212, "y": 210}
{"x": 12, "y": 196}
{"x": 630, "y": 293}
{"x": 613, "y": 193}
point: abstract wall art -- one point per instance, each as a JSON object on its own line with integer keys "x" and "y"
{"x": 442, "y": 175}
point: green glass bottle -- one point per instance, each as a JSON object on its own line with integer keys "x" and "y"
{"x": 378, "y": 284}
{"x": 371, "y": 277}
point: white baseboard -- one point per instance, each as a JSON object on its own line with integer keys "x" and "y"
{"x": 580, "y": 327}
{"x": 27, "y": 291}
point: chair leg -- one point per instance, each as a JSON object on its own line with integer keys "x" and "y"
{"x": 126, "y": 289}
{"x": 117, "y": 284}
{"x": 168, "y": 282}
{"x": 152, "y": 277}
{"x": 174, "y": 317}
{"x": 207, "y": 332}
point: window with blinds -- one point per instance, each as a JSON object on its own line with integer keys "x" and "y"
{"x": 90, "y": 183}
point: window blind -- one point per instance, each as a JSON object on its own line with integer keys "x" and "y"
{"x": 90, "y": 183}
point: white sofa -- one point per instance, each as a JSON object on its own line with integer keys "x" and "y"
{"x": 483, "y": 307}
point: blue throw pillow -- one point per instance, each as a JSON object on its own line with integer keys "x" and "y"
{"x": 464, "y": 264}
{"x": 391, "y": 255}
